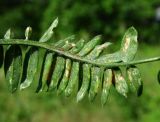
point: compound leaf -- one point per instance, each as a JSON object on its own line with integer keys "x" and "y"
{"x": 66, "y": 67}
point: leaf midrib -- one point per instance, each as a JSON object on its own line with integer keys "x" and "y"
{"x": 72, "y": 56}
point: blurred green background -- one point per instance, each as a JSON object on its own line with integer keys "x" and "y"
{"x": 85, "y": 18}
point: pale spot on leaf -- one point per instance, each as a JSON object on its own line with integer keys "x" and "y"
{"x": 126, "y": 45}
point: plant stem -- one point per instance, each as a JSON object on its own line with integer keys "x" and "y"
{"x": 69, "y": 55}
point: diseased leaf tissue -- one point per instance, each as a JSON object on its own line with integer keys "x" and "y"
{"x": 25, "y": 65}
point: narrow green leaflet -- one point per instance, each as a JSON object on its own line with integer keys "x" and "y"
{"x": 12, "y": 64}
{"x": 24, "y": 50}
{"x": 8, "y": 34}
{"x": 85, "y": 82}
{"x": 73, "y": 79}
{"x": 30, "y": 68}
{"x": 97, "y": 50}
{"x": 90, "y": 46}
{"x": 66, "y": 75}
{"x": 129, "y": 45}
{"x": 57, "y": 73}
{"x": 120, "y": 83}
{"x": 134, "y": 80}
{"x": 48, "y": 34}
{"x": 95, "y": 82}
{"x": 107, "y": 83}
{"x": 13, "y": 67}
{"x": 158, "y": 76}
{"x": 48, "y": 66}
{"x": 40, "y": 67}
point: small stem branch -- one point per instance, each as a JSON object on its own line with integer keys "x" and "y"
{"x": 69, "y": 55}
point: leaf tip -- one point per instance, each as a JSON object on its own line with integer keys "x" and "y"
{"x": 55, "y": 23}
{"x": 132, "y": 30}
{"x": 28, "y": 32}
{"x": 8, "y": 34}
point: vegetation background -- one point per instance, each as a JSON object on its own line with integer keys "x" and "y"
{"x": 85, "y": 18}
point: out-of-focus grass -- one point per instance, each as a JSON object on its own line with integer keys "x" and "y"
{"x": 27, "y": 106}
{"x": 151, "y": 96}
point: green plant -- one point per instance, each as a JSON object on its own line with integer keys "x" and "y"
{"x": 71, "y": 67}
